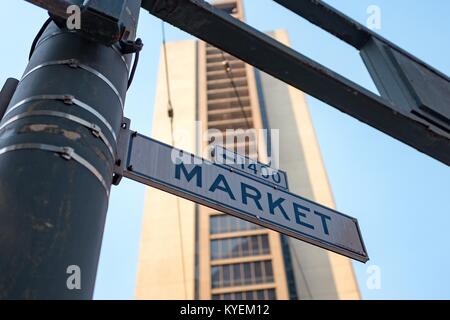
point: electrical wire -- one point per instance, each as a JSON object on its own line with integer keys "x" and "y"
{"x": 230, "y": 75}
{"x": 170, "y": 113}
{"x": 166, "y": 65}
{"x": 229, "y": 72}
{"x": 297, "y": 260}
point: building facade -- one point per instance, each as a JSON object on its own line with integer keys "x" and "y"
{"x": 189, "y": 251}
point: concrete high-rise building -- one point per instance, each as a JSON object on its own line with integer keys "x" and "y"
{"x": 192, "y": 252}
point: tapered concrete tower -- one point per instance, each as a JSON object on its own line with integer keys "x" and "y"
{"x": 192, "y": 252}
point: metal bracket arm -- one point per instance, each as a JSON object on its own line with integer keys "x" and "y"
{"x": 221, "y": 30}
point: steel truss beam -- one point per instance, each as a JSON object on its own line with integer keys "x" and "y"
{"x": 342, "y": 26}
{"x": 55, "y": 7}
{"x": 202, "y": 20}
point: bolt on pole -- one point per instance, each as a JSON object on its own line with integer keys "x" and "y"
{"x": 58, "y": 141}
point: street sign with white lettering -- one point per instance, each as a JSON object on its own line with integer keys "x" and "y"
{"x": 214, "y": 185}
{"x": 256, "y": 169}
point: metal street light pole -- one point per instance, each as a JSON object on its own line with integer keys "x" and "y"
{"x": 58, "y": 141}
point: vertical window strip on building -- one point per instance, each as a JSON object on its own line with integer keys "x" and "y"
{"x": 266, "y": 294}
{"x": 227, "y": 224}
{"x": 229, "y": 248}
{"x": 241, "y": 274}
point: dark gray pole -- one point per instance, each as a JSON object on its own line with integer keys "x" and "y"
{"x": 57, "y": 154}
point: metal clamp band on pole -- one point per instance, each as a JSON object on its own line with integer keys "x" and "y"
{"x": 70, "y": 100}
{"x": 96, "y": 130}
{"x": 65, "y": 152}
{"x": 74, "y": 63}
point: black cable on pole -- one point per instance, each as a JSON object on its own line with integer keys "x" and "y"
{"x": 133, "y": 70}
{"x": 38, "y": 36}
{"x": 138, "y": 45}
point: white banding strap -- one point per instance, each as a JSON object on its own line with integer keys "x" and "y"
{"x": 96, "y": 130}
{"x": 76, "y": 64}
{"x": 57, "y": 33}
{"x": 67, "y": 99}
{"x": 65, "y": 152}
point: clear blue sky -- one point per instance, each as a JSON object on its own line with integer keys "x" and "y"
{"x": 400, "y": 196}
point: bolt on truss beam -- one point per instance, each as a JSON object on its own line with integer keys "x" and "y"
{"x": 202, "y": 20}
